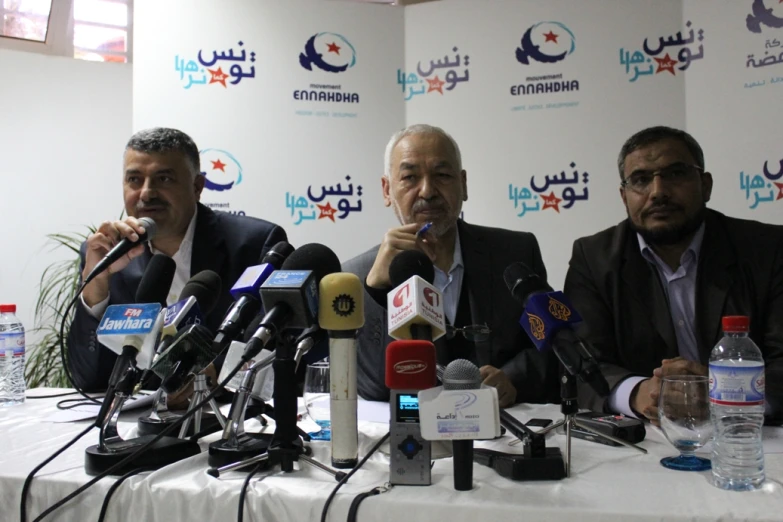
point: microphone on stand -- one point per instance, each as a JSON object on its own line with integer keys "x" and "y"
{"x": 462, "y": 374}
{"x": 415, "y": 307}
{"x": 341, "y": 314}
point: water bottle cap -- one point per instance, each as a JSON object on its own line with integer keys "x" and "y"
{"x": 7, "y": 308}
{"x": 735, "y": 323}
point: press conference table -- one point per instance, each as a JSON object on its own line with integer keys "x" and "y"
{"x": 606, "y": 483}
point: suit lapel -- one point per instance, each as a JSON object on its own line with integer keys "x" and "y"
{"x": 646, "y": 291}
{"x": 207, "y": 253}
{"x": 714, "y": 279}
{"x": 477, "y": 281}
{"x": 131, "y": 276}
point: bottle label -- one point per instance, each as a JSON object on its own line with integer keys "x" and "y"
{"x": 737, "y": 385}
{"x": 12, "y": 341}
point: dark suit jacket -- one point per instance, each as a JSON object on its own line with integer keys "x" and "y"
{"x": 486, "y": 252}
{"x": 626, "y": 313}
{"x": 224, "y": 243}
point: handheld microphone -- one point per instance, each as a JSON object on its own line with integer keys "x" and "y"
{"x": 245, "y": 291}
{"x": 410, "y": 367}
{"x": 415, "y": 307}
{"x": 462, "y": 374}
{"x": 341, "y": 314}
{"x": 290, "y": 295}
{"x": 123, "y": 247}
{"x": 548, "y": 320}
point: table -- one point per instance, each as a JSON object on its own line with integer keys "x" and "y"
{"x": 606, "y": 483}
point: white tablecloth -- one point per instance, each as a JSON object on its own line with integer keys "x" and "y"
{"x": 606, "y": 483}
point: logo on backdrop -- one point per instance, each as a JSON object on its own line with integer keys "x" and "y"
{"x": 766, "y": 20}
{"x": 327, "y": 54}
{"x": 323, "y": 202}
{"x": 765, "y": 187}
{"x": 544, "y": 44}
{"x": 216, "y": 68}
{"x": 444, "y": 76}
{"x": 659, "y": 57}
{"x": 540, "y": 194}
{"x": 761, "y": 16}
{"x": 222, "y": 173}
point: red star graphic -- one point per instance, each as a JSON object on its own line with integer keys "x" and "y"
{"x": 551, "y": 201}
{"x": 666, "y": 64}
{"x": 435, "y": 85}
{"x": 218, "y": 76}
{"x": 333, "y": 48}
{"x": 550, "y": 37}
{"x": 218, "y": 165}
{"x": 779, "y": 185}
{"x": 327, "y": 211}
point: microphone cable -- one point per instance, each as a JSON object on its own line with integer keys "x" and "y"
{"x": 114, "y": 487}
{"x": 242, "y": 493}
{"x": 350, "y": 473}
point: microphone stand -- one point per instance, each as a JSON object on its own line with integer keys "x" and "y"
{"x": 200, "y": 391}
{"x": 569, "y": 407}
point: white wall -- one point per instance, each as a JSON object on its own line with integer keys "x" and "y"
{"x": 63, "y": 126}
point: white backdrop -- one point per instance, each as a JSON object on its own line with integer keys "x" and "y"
{"x": 540, "y": 96}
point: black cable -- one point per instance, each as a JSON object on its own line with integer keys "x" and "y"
{"x": 114, "y": 487}
{"x": 62, "y": 347}
{"x": 73, "y": 403}
{"x": 350, "y": 473}
{"x": 28, "y": 481}
{"x": 241, "y": 514}
{"x": 54, "y": 396}
{"x": 143, "y": 448}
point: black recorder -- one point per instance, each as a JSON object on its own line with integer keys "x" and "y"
{"x": 618, "y": 426}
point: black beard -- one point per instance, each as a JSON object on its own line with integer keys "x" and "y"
{"x": 671, "y": 235}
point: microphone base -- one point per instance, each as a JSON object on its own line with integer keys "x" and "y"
{"x": 167, "y": 450}
{"x": 148, "y": 426}
{"x": 221, "y": 452}
{"x": 520, "y": 468}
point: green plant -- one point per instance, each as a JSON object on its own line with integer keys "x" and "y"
{"x": 57, "y": 288}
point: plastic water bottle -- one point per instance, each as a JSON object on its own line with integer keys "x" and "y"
{"x": 12, "y": 384}
{"x": 737, "y": 408}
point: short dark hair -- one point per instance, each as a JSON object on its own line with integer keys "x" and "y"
{"x": 654, "y": 135}
{"x": 162, "y": 139}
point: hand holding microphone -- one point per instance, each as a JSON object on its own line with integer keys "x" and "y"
{"x": 109, "y": 250}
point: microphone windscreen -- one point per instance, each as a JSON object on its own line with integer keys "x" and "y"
{"x": 461, "y": 374}
{"x": 150, "y": 228}
{"x": 156, "y": 282}
{"x": 313, "y": 256}
{"x": 409, "y": 263}
{"x": 341, "y": 302}
{"x": 410, "y": 365}
{"x": 205, "y": 287}
{"x": 277, "y": 255}
{"x": 522, "y": 282}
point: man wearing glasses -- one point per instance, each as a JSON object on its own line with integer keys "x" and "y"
{"x": 424, "y": 183}
{"x": 652, "y": 290}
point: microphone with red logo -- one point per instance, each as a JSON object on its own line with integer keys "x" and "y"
{"x": 415, "y": 307}
{"x": 410, "y": 367}
{"x": 341, "y": 314}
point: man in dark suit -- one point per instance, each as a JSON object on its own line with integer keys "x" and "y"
{"x": 424, "y": 182}
{"x": 653, "y": 289}
{"x": 161, "y": 180}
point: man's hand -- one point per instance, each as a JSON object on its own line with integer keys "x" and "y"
{"x": 679, "y": 366}
{"x": 507, "y": 393}
{"x": 644, "y": 399}
{"x": 98, "y": 245}
{"x": 395, "y": 241}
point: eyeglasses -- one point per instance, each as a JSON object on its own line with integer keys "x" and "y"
{"x": 475, "y": 332}
{"x": 640, "y": 182}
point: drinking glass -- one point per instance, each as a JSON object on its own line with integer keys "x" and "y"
{"x": 684, "y": 413}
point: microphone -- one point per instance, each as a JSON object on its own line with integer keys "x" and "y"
{"x": 247, "y": 301}
{"x": 410, "y": 367}
{"x": 462, "y": 374}
{"x": 548, "y": 320}
{"x": 341, "y": 314}
{"x": 290, "y": 295}
{"x": 415, "y": 307}
{"x": 129, "y": 330}
{"x": 123, "y": 247}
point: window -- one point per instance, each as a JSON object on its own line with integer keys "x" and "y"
{"x": 99, "y": 30}
{"x": 25, "y": 19}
